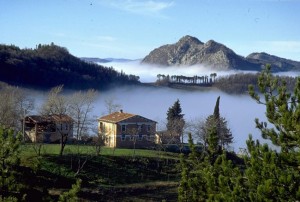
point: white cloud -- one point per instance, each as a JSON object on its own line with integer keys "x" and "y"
{"x": 148, "y": 7}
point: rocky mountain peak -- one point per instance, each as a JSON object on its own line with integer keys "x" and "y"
{"x": 191, "y": 51}
{"x": 190, "y": 40}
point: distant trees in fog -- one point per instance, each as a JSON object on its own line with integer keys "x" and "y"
{"x": 200, "y": 80}
{"x": 232, "y": 84}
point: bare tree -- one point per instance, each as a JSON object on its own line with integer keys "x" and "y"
{"x": 111, "y": 106}
{"x": 58, "y": 104}
{"x": 81, "y": 106}
{"x": 15, "y": 104}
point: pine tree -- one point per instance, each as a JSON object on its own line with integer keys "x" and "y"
{"x": 274, "y": 174}
{"x": 71, "y": 195}
{"x": 210, "y": 176}
{"x": 9, "y": 160}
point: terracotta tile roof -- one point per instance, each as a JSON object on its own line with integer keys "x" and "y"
{"x": 116, "y": 117}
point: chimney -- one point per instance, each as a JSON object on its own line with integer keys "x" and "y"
{"x": 121, "y": 110}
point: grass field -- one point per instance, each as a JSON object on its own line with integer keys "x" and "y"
{"x": 53, "y": 149}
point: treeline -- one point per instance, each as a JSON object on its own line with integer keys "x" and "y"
{"x": 203, "y": 80}
{"x": 232, "y": 84}
{"x": 51, "y": 65}
{"x": 239, "y": 83}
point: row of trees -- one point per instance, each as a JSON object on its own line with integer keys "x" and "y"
{"x": 201, "y": 80}
{"x": 265, "y": 174}
{"x": 233, "y": 84}
{"x": 51, "y": 65}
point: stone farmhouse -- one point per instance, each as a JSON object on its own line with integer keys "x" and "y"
{"x": 124, "y": 130}
{"x": 47, "y": 129}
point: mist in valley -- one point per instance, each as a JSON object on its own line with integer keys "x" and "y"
{"x": 153, "y": 103}
{"x": 148, "y": 73}
{"x": 240, "y": 111}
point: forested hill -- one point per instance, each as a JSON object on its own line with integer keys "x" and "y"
{"x": 51, "y": 65}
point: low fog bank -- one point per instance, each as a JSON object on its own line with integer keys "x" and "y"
{"x": 153, "y": 103}
{"x": 148, "y": 73}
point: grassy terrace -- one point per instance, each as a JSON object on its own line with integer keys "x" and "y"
{"x": 115, "y": 174}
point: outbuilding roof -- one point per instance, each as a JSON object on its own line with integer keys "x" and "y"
{"x": 50, "y": 118}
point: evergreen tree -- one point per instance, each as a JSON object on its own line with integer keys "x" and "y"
{"x": 175, "y": 121}
{"x": 9, "y": 160}
{"x": 268, "y": 174}
{"x": 71, "y": 195}
{"x": 224, "y": 134}
{"x": 210, "y": 176}
{"x": 274, "y": 174}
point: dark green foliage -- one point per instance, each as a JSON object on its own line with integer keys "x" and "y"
{"x": 210, "y": 176}
{"x": 268, "y": 174}
{"x": 217, "y": 110}
{"x": 275, "y": 174}
{"x": 51, "y": 65}
{"x": 219, "y": 124}
{"x": 9, "y": 161}
{"x": 71, "y": 195}
{"x": 175, "y": 120}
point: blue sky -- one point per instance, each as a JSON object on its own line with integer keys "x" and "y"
{"x": 132, "y": 28}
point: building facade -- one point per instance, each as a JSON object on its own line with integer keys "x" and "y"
{"x": 124, "y": 130}
{"x": 47, "y": 129}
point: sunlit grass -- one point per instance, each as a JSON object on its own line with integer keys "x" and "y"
{"x": 53, "y": 149}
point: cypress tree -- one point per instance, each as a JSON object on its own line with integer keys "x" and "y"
{"x": 224, "y": 134}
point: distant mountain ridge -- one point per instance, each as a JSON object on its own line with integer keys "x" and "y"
{"x": 105, "y": 60}
{"x": 191, "y": 51}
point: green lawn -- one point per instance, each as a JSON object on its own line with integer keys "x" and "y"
{"x": 53, "y": 149}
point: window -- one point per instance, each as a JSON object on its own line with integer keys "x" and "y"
{"x": 123, "y": 137}
{"x": 140, "y": 137}
{"x": 139, "y": 128}
{"x": 101, "y": 127}
{"x": 123, "y": 128}
{"x": 148, "y": 128}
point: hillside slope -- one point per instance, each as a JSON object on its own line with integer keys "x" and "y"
{"x": 277, "y": 63}
{"x": 51, "y": 65}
